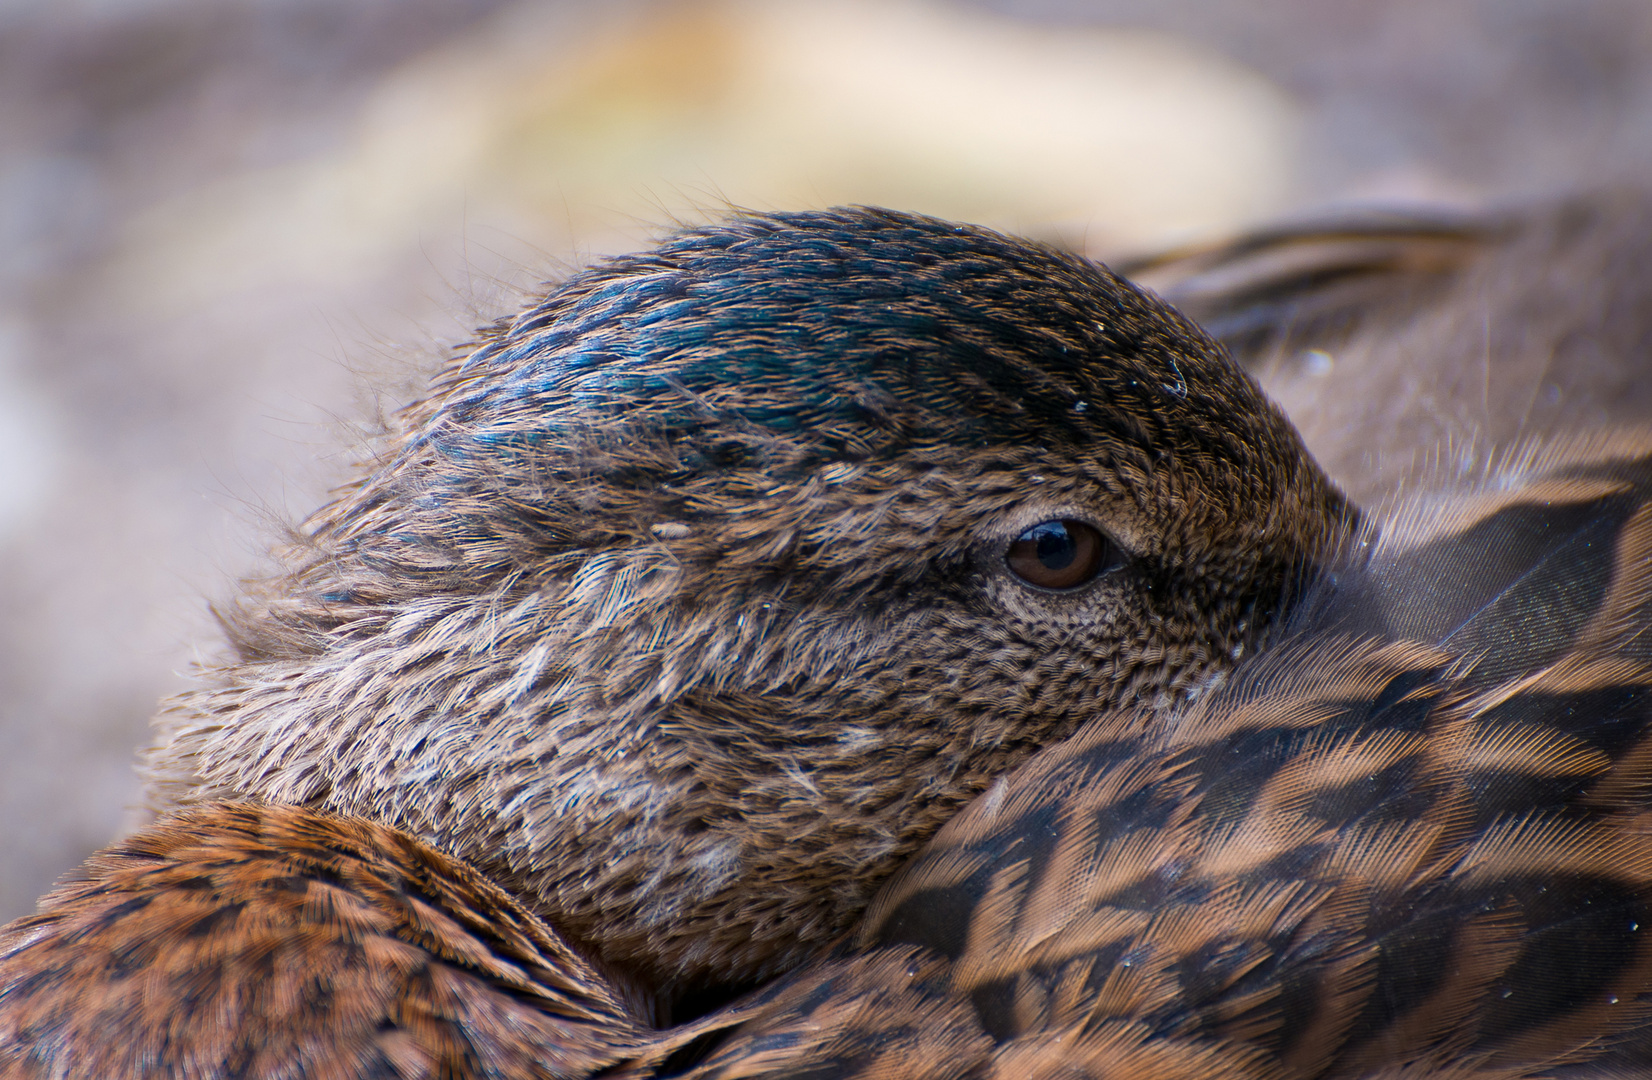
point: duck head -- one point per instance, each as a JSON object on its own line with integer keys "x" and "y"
{"x": 697, "y": 596}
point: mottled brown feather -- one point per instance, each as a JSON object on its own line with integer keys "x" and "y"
{"x": 263, "y": 941}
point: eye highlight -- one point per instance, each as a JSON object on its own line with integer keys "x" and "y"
{"x": 1062, "y": 554}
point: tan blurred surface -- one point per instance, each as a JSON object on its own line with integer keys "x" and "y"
{"x": 219, "y": 221}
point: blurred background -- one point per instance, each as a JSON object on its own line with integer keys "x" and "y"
{"x": 230, "y": 230}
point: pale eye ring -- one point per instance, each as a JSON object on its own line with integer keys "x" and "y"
{"x": 1062, "y": 554}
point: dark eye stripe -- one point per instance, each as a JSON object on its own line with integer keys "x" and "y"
{"x": 1062, "y": 554}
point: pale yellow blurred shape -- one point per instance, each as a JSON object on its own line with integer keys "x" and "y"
{"x": 580, "y": 140}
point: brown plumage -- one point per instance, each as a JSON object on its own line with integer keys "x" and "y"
{"x": 671, "y": 607}
{"x": 695, "y": 598}
{"x": 185, "y": 949}
{"x": 769, "y": 605}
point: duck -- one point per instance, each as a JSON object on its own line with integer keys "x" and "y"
{"x": 683, "y": 611}
{"x": 1408, "y": 839}
{"x": 1399, "y": 831}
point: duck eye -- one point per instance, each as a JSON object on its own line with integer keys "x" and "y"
{"x": 1062, "y": 555}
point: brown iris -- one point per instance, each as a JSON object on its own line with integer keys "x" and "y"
{"x": 1062, "y": 554}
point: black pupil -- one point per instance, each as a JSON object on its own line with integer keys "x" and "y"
{"x": 1056, "y": 548}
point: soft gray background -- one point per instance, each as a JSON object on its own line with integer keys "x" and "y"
{"x": 220, "y": 220}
